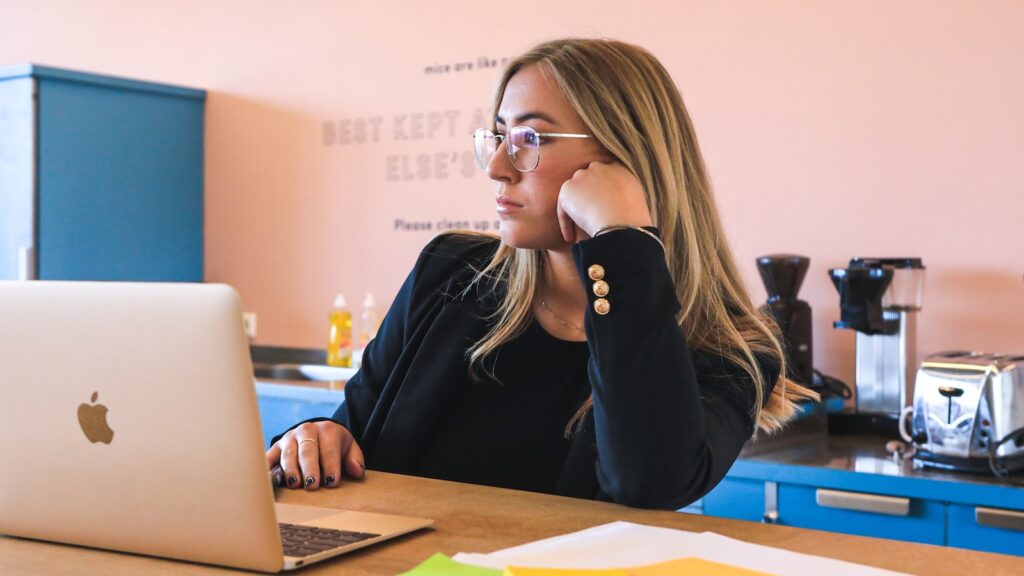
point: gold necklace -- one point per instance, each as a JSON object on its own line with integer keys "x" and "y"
{"x": 559, "y": 318}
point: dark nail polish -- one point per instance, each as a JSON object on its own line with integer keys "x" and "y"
{"x": 309, "y": 481}
{"x": 329, "y": 480}
{"x": 292, "y": 480}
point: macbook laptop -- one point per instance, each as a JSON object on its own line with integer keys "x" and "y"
{"x": 129, "y": 421}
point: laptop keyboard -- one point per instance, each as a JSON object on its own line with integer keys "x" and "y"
{"x": 299, "y": 541}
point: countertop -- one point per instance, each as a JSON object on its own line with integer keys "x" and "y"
{"x": 804, "y": 451}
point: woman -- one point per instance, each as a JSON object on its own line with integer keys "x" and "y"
{"x": 604, "y": 347}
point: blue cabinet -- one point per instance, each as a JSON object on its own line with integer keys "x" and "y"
{"x": 101, "y": 178}
{"x": 862, "y": 514}
{"x": 820, "y": 508}
{"x": 736, "y": 498}
{"x": 987, "y": 528}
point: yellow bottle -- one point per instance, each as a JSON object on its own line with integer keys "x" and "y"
{"x": 339, "y": 338}
{"x": 369, "y": 321}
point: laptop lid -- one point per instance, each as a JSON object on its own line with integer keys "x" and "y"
{"x": 130, "y": 422}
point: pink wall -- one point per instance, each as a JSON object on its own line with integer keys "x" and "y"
{"x": 832, "y": 129}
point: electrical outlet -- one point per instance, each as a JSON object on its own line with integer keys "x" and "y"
{"x": 249, "y": 320}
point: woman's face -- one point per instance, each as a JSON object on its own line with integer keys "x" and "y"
{"x": 526, "y": 201}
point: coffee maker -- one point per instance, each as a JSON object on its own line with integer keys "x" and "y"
{"x": 782, "y": 275}
{"x": 879, "y": 298}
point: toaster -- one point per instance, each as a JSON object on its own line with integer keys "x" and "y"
{"x": 968, "y": 412}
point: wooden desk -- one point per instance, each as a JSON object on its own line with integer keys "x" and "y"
{"x": 473, "y": 518}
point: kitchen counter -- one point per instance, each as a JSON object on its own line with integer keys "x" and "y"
{"x": 806, "y": 445}
{"x": 852, "y": 484}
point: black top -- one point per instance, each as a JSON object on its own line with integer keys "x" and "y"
{"x": 511, "y": 432}
{"x": 667, "y": 422}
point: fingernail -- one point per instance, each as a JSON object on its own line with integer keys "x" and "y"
{"x": 310, "y": 481}
{"x": 329, "y": 480}
{"x": 292, "y": 480}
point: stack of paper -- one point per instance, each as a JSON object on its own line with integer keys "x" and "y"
{"x": 681, "y": 566}
{"x": 441, "y": 565}
{"x": 639, "y": 549}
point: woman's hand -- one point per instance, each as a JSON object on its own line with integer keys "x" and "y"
{"x": 313, "y": 454}
{"x": 602, "y": 194}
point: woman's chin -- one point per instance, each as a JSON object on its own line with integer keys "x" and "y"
{"x": 516, "y": 237}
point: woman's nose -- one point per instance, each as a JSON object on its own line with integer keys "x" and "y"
{"x": 500, "y": 165}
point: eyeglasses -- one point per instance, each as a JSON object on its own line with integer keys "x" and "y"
{"x": 522, "y": 144}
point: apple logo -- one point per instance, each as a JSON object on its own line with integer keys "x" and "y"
{"x": 93, "y": 420}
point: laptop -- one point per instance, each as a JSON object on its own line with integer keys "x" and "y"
{"x": 129, "y": 420}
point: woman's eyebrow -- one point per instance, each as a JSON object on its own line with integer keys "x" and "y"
{"x": 527, "y": 116}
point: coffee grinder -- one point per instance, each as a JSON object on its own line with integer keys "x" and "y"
{"x": 782, "y": 275}
{"x": 879, "y": 298}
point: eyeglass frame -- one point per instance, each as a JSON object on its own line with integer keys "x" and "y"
{"x": 499, "y": 138}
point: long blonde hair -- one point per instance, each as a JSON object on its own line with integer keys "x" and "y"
{"x": 631, "y": 105}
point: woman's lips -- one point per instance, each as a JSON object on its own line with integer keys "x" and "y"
{"x": 506, "y": 206}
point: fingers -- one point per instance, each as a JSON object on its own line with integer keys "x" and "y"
{"x": 289, "y": 460}
{"x": 601, "y": 194}
{"x": 338, "y": 449}
{"x": 355, "y": 464}
{"x": 273, "y": 455}
{"x": 331, "y": 449}
{"x": 311, "y": 455}
{"x": 565, "y": 224}
{"x": 308, "y": 448}
{"x": 571, "y": 208}
{"x": 571, "y": 231}
{"x": 300, "y": 457}
{"x": 580, "y": 234}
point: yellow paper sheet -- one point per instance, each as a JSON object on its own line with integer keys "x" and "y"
{"x": 691, "y": 567}
{"x": 677, "y": 567}
{"x": 521, "y": 571}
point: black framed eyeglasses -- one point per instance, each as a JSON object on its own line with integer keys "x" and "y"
{"x": 522, "y": 144}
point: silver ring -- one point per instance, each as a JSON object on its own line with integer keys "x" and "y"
{"x": 313, "y": 440}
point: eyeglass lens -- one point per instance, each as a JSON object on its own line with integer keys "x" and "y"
{"x": 522, "y": 144}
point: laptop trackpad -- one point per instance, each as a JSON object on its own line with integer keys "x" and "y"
{"x": 384, "y": 524}
{"x": 295, "y": 514}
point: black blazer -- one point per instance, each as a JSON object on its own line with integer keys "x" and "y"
{"x": 667, "y": 423}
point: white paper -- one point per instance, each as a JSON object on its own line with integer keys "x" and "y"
{"x": 625, "y": 544}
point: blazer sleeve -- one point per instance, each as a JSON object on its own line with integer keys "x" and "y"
{"x": 667, "y": 428}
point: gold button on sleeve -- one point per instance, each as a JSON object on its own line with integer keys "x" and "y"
{"x": 596, "y": 272}
{"x": 602, "y": 306}
{"x": 600, "y": 288}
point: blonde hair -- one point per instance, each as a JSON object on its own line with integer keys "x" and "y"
{"x": 631, "y": 105}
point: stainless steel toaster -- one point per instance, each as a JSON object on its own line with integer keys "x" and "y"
{"x": 965, "y": 403}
